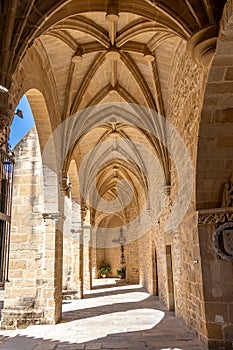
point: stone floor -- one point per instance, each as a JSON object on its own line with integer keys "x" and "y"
{"x": 119, "y": 317}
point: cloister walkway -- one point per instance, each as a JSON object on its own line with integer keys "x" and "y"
{"x": 121, "y": 317}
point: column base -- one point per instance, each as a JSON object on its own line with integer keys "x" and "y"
{"x": 71, "y": 294}
{"x": 74, "y": 290}
{"x": 13, "y": 319}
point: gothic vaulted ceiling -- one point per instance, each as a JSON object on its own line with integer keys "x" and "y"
{"x": 102, "y": 51}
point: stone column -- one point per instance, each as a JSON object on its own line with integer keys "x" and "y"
{"x": 49, "y": 283}
{"x": 94, "y": 253}
{"x": 75, "y": 283}
{"x": 76, "y": 278}
{"x": 87, "y": 271}
{"x": 67, "y": 244}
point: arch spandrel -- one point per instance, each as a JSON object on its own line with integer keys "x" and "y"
{"x": 41, "y": 116}
{"x": 215, "y": 150}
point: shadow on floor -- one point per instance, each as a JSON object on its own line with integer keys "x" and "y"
{"x": 116, "y": 342}
{"x": 1, "y": 307}
{"x": 131, "y": 321}
{"x": 116, "y": 291}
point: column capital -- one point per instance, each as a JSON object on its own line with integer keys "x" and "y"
{"x": 6, "y": 116}
{"x": 53, "y": 216}
{"x": 167, "y": 190}
{"x": 202, "y": 45}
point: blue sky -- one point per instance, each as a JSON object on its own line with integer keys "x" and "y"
{"x": 20, "y": 127}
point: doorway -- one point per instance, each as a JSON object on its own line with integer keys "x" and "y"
{"x": 170, "y": 284}
{"x": 155, "y": 272}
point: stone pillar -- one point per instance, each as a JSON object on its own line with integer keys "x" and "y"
{"x": 49, "y": 283}
{"x": 80, "y": 270}
{"x": 50, "y": 280}
{"x": 94, "y": 254}
{"x": 67, "y": 244}
{"x": 75, "y": 282}
{"x": 87, "y": 273}
{"x": 76, "y": 277}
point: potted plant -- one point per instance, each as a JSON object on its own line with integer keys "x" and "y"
{"x": 104, "y": 270}
{"x": 121, "y": 272}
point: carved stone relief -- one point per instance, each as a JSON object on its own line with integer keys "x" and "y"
{"x": 214, "y": 217}
{"x": 223, "y": 241}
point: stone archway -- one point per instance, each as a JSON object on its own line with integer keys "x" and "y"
{"x": 214, "y": 169}
{"x": 34, "y": 292}
{"x": 95, "y": 52}
{"x": 214, "y": 162}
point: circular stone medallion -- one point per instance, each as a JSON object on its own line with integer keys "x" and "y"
{"x": 223, "y": 241}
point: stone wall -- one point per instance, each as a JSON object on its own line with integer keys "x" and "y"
{"x": 187, "y": 95}
{"x": 215, "y": 163}
{"x": 193, "y": 281}
{"x": 108, "y": 250}
{"x": 178, "y": 256}
{"x": 34, "y": 293}
{"x": 214, "y": 169}
{"x": 112, "y": 256}
{"x": 27, "y": 233}
{"x": 217, "y": 289}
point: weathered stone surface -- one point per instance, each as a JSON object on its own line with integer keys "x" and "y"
{"x": 154, "y": 56}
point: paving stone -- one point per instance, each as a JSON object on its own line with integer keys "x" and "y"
{"x": 101, "y": 322}
{"x": 115, "y": 345}
{"x": 69, "y": 347}
{"x": 94, "y": 346}
{"x": 46, "y": 346}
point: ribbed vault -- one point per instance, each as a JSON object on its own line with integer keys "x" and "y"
{"x": 113, "y": 51}
{"x": 113, "y": 163}
{"x": 23, "y": 21}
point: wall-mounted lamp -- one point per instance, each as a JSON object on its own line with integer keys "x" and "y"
{"x": 19, "y": 113}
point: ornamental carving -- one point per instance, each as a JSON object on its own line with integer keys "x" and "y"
{"x": 186, "y": 100}
{"x": 186, "y": 88}
{"x": 227, "y": 196}
{"x": 215, "y": 217}
{"x": 223, "y": 241}
{"x": 51, "y": 216}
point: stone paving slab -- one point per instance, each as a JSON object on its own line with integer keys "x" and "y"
{"x": 124, "y": 318}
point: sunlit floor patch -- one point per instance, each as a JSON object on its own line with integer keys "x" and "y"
{"x": 89, "y": 329}
{"x": 101, "y": 326}
{"x": 128, "y": 297}
{"x": 125, "y": 317}
{"x": 103, "y": 287}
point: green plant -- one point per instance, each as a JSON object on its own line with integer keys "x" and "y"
{"x": 121, "y": 272}
{"x": 105, "y": 269}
